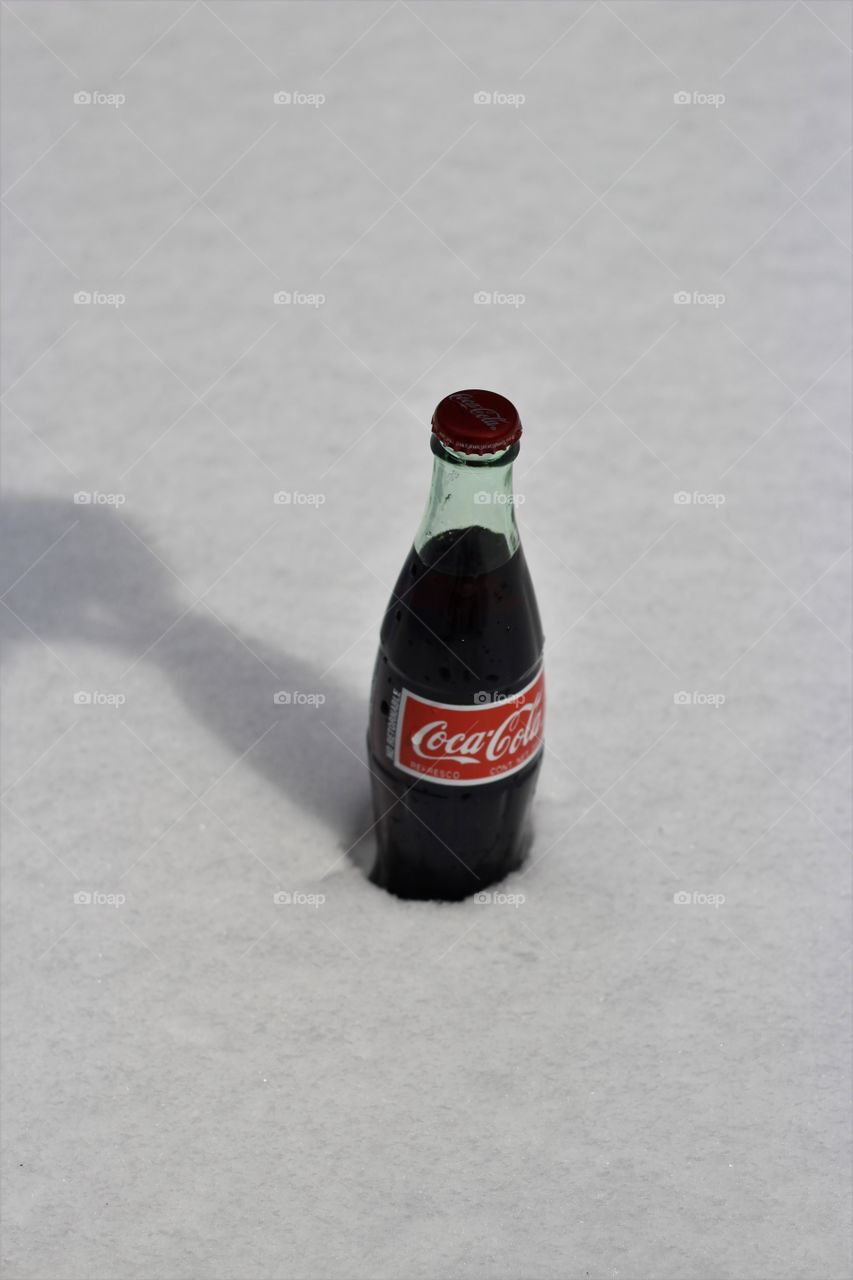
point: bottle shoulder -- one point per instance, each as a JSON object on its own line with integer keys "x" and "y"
{"x": 450, "y": 633}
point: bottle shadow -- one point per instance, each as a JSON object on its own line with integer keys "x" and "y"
{"x": 100, "y": 583}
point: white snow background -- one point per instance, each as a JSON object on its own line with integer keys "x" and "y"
{"x": 604, "y": 1080}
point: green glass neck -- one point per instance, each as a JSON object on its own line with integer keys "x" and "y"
{"x": 468, "y": 493}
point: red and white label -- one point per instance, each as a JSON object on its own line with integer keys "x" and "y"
{"x": 466, "y": 746}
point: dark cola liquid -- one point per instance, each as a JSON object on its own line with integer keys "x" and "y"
{"x": 462, "y": 623}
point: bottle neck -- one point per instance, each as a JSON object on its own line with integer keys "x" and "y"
{"x": 469, "y": 496}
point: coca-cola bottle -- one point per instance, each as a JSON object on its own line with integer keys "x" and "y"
{"x": 457, "y": 703}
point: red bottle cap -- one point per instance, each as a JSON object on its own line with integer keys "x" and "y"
{"x": 476, "y": 422}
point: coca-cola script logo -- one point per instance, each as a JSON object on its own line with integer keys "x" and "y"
{"x": 465, "y": 746}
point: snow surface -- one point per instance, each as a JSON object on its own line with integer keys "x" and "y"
{"x": 602, "y": 1081}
